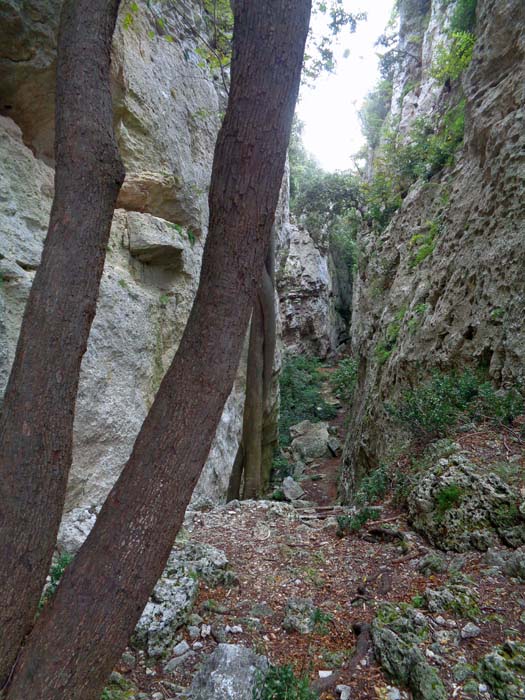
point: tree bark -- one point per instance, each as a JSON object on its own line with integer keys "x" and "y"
{"x": 79, "y": 637}
{"x": 36, "y": 422}
{"x": 261, "y": 353}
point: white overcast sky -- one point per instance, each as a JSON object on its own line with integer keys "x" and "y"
{"x": 329, "y": 110}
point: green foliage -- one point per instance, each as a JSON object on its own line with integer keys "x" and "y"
{"x": 119, "y": 689}
{"x": 343, "y": 380}
{"x": 353, "y": 523}
{"x": 373, "y": 487}
{"x": 423, "y": 244}
{"x": 418, "y": 313}
{"x": 319, "y": 52}
{"x": 436, "y": 406}
{"x": 301, "y": 399}
{"x": 184, "y": 232}
{"x": 321, "y": 620}
{"x": 450, "y": 61}
{"x": 402, "y": 159}
{"x": 374, "y": 111}
{"x": 464, "y": 17}
{"x": 385, "y": 347}
{"x": 281, "y": 468}
{"x": 448, "y": 497}
{"x": 281, "y": 683}
{"x": 56, "y": 573}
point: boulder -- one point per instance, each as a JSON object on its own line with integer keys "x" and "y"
{"x": 291, "y": 489}
{"x": 310, "y": 441}
{"x": 397, "y": 633}
{"x": 459, "y": 506}
{"x": 299, "y": 615}
{"x": 231, "y": 672}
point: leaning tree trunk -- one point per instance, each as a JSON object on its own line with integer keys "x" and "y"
{"x": 36, "y": 423}
{"x": 80, "y": 636}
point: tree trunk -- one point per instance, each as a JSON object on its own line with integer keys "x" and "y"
{"x": 261, "y": 353}
{"x": 80, "y": 636}
{"x": 36, "y": 423}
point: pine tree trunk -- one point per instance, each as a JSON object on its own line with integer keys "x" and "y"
{"x": 80, "y": 636}
{"x": 36, "y": 423}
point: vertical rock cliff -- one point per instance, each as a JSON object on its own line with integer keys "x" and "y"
{"x": 443, "y": 286}
{"x": 167, "y": 108}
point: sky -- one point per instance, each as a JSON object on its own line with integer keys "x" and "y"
{"x": 329, "y": 109}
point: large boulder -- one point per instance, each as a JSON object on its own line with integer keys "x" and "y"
{"x": 459, "y": 506}
{"x": 231, "y": 672}
{"x": 309, "y": 441}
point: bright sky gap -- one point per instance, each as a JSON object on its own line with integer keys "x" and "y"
{"x": 329, "y": 109}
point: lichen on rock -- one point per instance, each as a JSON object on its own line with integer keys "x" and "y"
{"x": 458, "y": 506}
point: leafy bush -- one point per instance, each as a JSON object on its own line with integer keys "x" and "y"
{"x": 343, "y": 380}
{"x": 448, "y": 497}
{"x": 56, "y": 573}
{"x": 281, "y": 683}
{"x": 321, "y": 620}
{"x": 464, "y": 17}
{"x": 301, "y": 398}
{"x": 436, "y": 406}
{"x": 354, "y": 523}
{"x": 423, "y": 244}
{"x": 281, "y": 468}
{"x": 374, "y": 112}
{"x": 373, "y": 486}
{"x": 450, "y": 61}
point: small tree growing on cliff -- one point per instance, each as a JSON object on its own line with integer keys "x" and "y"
{"x": 78, "y": 638}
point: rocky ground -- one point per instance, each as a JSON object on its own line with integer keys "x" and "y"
{"x": 378, "y": 612}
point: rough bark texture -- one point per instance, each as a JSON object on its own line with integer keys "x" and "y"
{"x": 258, "y": 385}
{"x": 78, "y": 639}
{"x": 37, "y": 414}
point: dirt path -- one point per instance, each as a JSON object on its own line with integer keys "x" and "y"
{"x": 322, "y": 485}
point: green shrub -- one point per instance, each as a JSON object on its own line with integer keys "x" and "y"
{"x": 450, "y": 61}
{"x": 373, "y": 487}
{"x": 437, "y": 405}
{"x": 423, "y": 244}
{"x": 321, "y": 620}
{"x": 464, "y": 17}
{"x": 56, "y": 573}
{"x": 448, "y": 497}
{"x": 281, "y": 683}
{"x": 354, "y": 523}
{"x": 344, "y": 378}
{"x": 301, "y": 399}
{"x": 281, "y": 468}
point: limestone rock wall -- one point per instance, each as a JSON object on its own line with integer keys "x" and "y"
{"x": 462, "y": 306}
{"x": 167, "y": 114}
{"x": 313, "y": 294}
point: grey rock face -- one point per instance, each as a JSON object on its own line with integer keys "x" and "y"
{"x": 463, "y": 305}
{"x": 229, "y": 673}
{"x": 299, "y": 615}
{"x": 310, "y": 322}
{"x": 458, "y": 507}
{"x": 291, "y": 489}
{"x": 174, "y": 594}
{"x": 310, "y": 441}
{"x": 153, "y": 258}
{"x": 396, "y": 638}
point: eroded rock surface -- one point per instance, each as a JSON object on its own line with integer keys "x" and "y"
{"x": 458, "y": 507}
{"x": 231, "y": 672}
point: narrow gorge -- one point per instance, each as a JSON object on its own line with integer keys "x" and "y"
{"x": 358, "y": 529}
